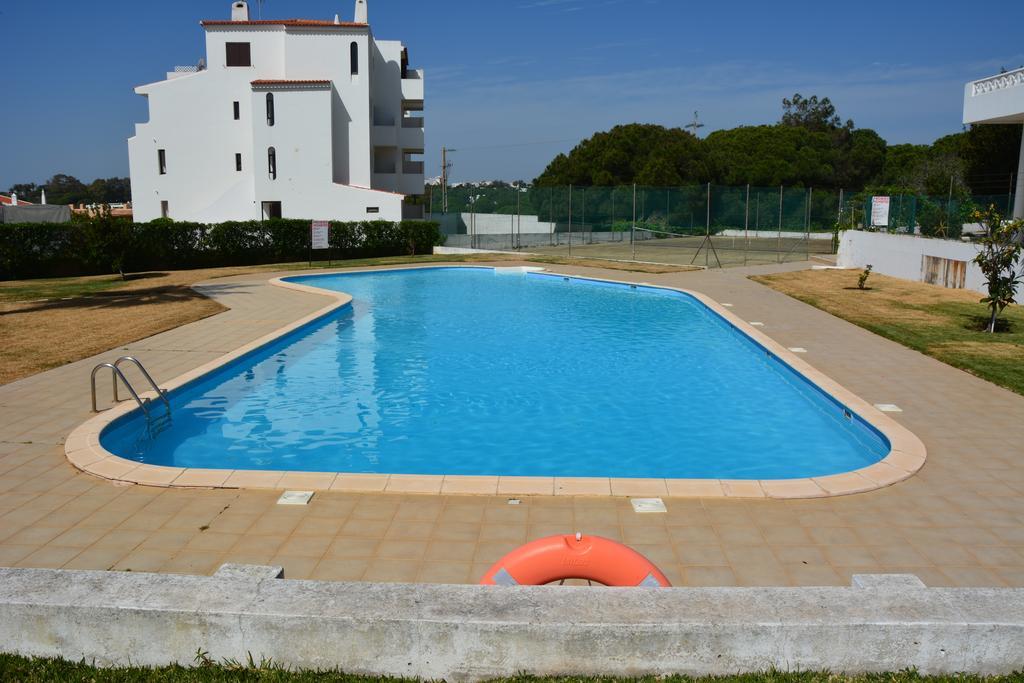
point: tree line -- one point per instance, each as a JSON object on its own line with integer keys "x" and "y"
{"x": 67, "y": 189}
{"x": 810, "y": 146}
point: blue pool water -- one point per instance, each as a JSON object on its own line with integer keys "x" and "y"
{"x": 472, "y": 371}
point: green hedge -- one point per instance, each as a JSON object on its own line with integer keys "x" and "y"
{"x": 104, "y": 245}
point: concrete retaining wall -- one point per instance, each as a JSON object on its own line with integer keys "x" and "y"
{"x": 903, "y": 255}
{"x": 467, "y": 250}
{"x": 768, "y": 234}
{"x": 491, "y": 224}
{"x": 475, "y": 632}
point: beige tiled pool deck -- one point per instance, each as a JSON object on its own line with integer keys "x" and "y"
{"x": 958, "y": 521}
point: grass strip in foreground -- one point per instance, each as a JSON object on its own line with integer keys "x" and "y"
{"x": 38, "y": 670}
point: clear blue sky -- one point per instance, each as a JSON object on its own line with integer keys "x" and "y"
{"x": 511, "y": 72}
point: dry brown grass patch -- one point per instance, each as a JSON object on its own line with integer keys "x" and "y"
{"x": 42, "y": 335}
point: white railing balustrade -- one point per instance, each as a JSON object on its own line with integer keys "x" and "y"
{"x": 1009, "y": 79}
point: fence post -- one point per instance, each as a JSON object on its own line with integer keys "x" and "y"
{"x": 632, "y": 230}
{"x": 807, "y": 223}
{"x": 611, "y": 228}
{"x": 519, "y": 219}
{"x": 570, "y": 221}
{"x": 551, "y": 216}
{"x": 746, "y": 226}
{"x": 583, "y": 217}
{"x": 778, "y": 246}
{"x": 707, "y": 230}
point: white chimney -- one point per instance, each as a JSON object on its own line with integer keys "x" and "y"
{"x": 361, "y": 12}
{"x": 239, "y": 11}
{"x": 42, "y": 196}
{"x": 14, "y": 199}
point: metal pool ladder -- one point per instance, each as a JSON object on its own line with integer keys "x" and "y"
{"x": 116, "y": 373}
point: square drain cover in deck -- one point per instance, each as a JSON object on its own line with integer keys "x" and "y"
{"x": 648, "y": 505}
{"x": 295, "y": 498}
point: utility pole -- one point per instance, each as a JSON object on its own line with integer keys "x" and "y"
{"x": 694, "y": 125}
{"x": 445, "y": 167}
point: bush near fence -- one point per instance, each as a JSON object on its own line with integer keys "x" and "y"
{"x": 107, "y": 245}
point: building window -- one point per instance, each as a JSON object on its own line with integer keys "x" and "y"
{"x": 161, "y": 161}
{"x": 271, "y": 210}
{"x": 270, "y": 108}
{"x": 238, "y": 111}
{"x": 354, "y": 57}
{"x": 165, "y": 210}
{"x": 238, "y": 54}
{"x": 272, "y": 163}
{"x": 373, "y": 209}
{"x": 238, "y": 161}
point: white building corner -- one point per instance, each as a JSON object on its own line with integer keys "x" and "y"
{"x": 291, "y": 118}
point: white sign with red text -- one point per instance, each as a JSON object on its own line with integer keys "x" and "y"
{"x": 320, "y": 235}
{"x": 880, "y": 211}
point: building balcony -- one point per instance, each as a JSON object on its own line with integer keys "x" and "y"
{"x": 996, "y": 99}
{"x": 412, "y": 86}
{"x": 385, "y": 136}
{"x": 411, "y": 139}
{"x": 410, "y": 184}
{"x": 412, "y": 122}
{"x": 412, "y": 167}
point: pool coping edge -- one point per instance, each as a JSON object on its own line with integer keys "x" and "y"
{"x": 907, "y": 452}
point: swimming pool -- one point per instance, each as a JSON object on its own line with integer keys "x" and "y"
{"x": 474, "y": 371}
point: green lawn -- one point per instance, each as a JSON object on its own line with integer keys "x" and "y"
{"x": 13, "y": 668}
{"x": 947, "y": 324}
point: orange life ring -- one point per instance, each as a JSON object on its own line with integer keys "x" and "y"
{"x": 574, "y": 557}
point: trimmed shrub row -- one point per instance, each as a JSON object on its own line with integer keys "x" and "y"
{"x": 109, "y": 245}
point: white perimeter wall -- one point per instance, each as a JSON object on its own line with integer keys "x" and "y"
{"x": 492, "y": 224}
{"x": 901, "y": 255}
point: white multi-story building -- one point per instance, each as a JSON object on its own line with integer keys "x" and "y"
{"x": 286, "y": 118}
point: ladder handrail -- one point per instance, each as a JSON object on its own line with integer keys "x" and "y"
{"x": 132, "y": 359}
{"x": 116, "y": 373}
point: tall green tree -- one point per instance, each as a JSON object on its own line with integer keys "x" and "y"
{"x": 990, "y": 154}
{"x": 634, "y": 153}
{"x": 65, "y": 189}
{"x": 813, "y": 114}
{"x": 28, "y": 192}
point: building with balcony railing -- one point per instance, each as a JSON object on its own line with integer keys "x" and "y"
{"x": 999, "y": 99}
{"x": 284, "y": 117}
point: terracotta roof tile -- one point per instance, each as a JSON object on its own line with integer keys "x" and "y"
{"x": 5, "y": 200}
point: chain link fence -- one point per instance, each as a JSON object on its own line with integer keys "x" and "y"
{"x": 708, "y": 225}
